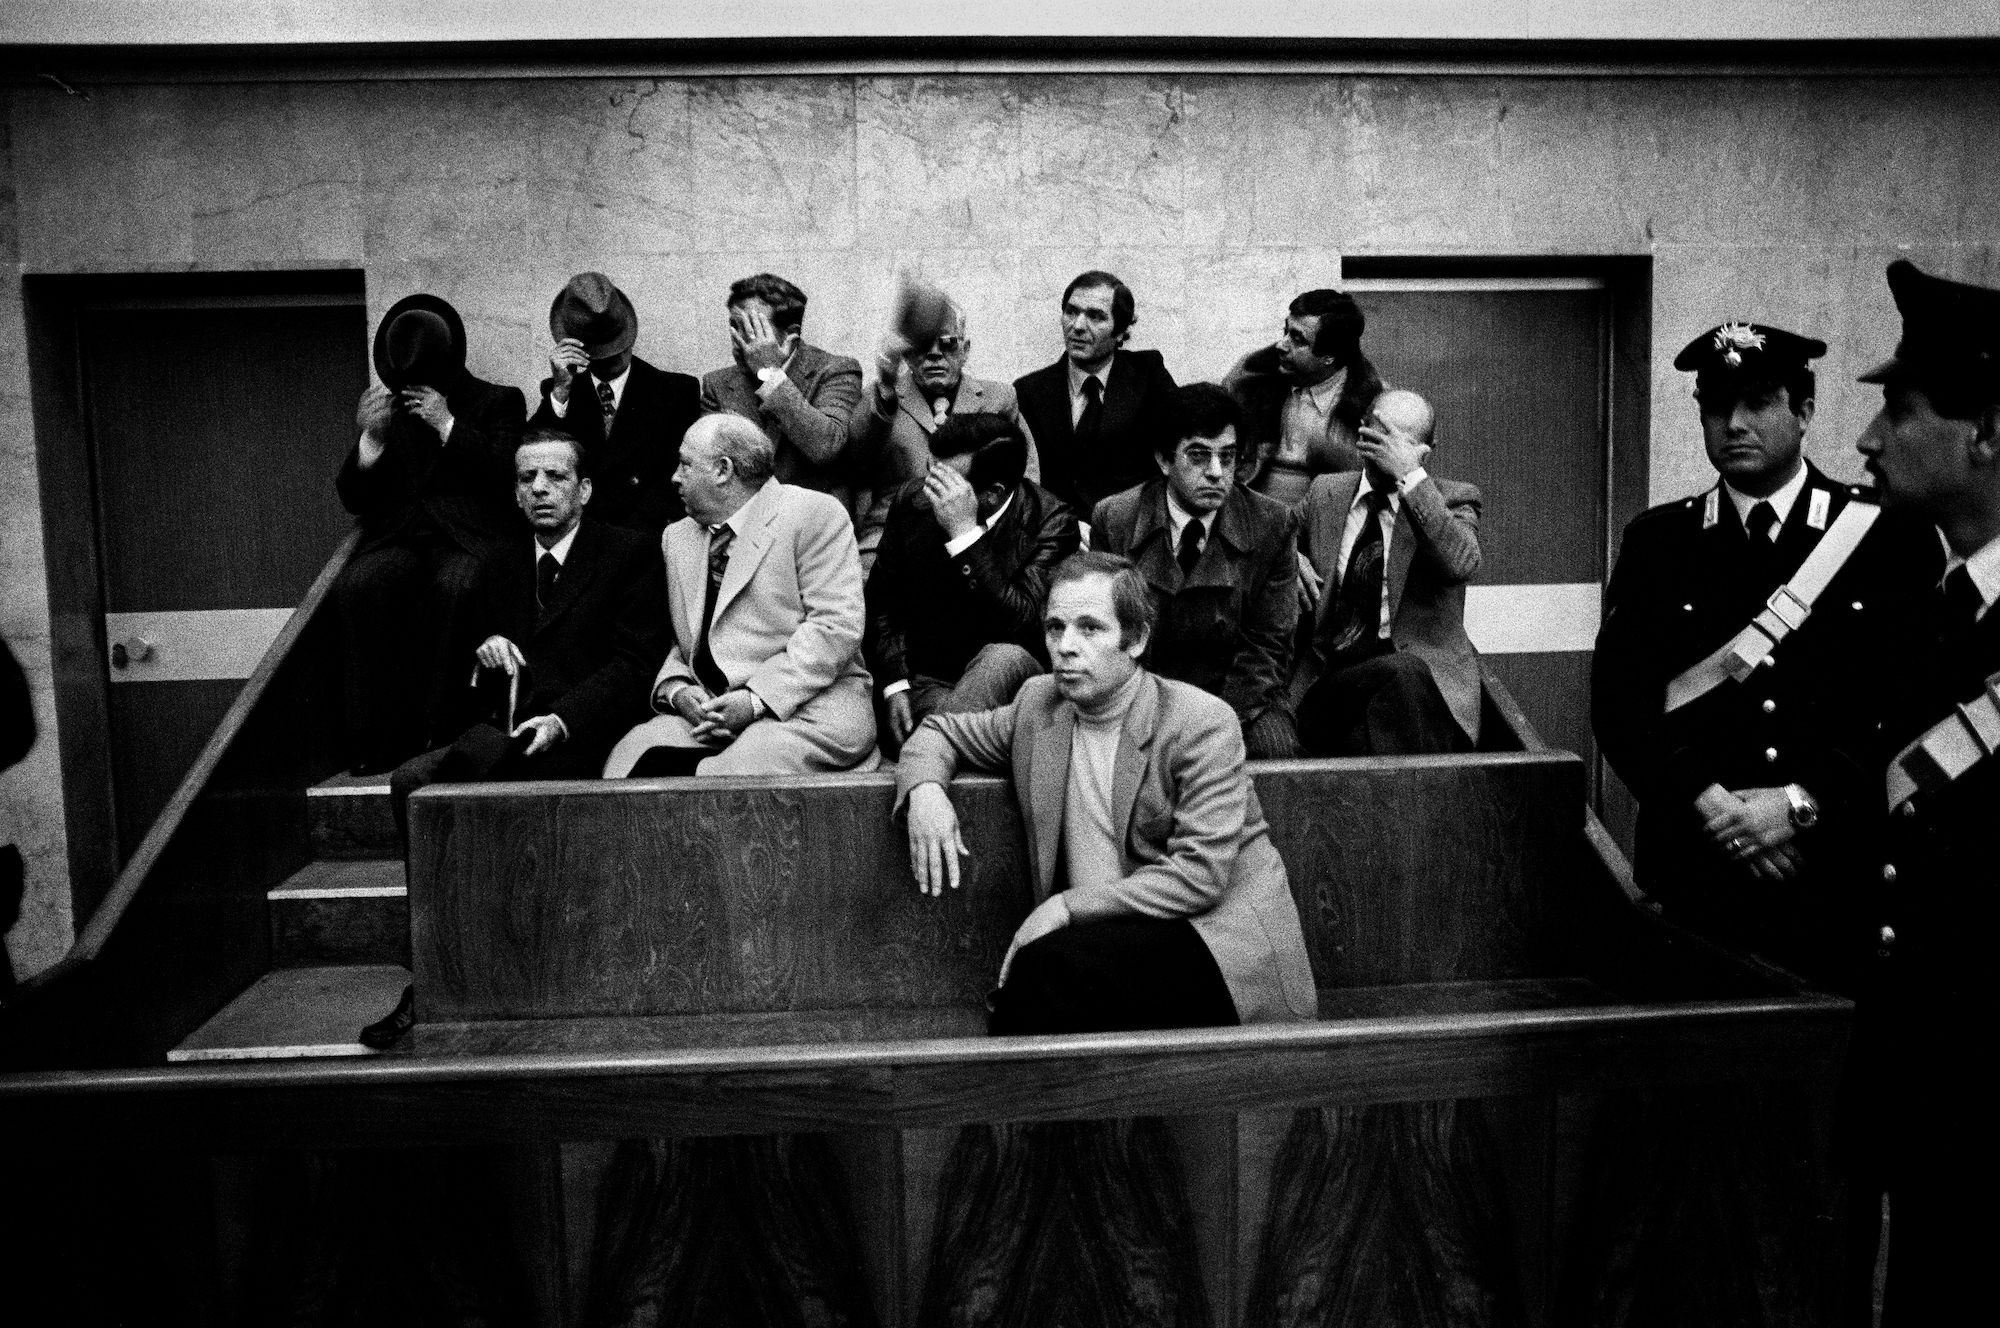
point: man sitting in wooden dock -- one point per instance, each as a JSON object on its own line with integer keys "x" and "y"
{"x": 1163, "y": 903}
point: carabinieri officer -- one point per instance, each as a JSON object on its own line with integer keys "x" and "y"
{"x": 1728, "y": 686}
{"x": 1915, "y": 1125}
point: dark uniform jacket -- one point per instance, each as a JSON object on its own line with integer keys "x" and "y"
{"x": 464, "y": 488}
{"x": 1926, "y": 933}
{"x": 1227, "y": 628}
{"x": 593, "y": 650}
{"x": 1262, "y": 392}
{"x": 1135, "y": 418}
{"x": 632, "y": 471}
{"x": 1684, "y": 586}
{"x": 929, "y": 613}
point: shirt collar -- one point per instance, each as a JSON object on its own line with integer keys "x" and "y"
{"x": 998, "y": 512}
{"x": 1984, "y": 567}
{"x": 1076, "y": 376}
{"x": 1177, "y": 518}
{"x": 1324, "y": 393}
{"x": 560, "y": 549}
{"x": 1781, "y": 502}
{"x": 1361, "y": 495}
{"x": 617, "y": 385}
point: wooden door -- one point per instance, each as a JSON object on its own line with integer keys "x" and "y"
{"x": 1517, "y": 368}
{"x": 214, "y": 427}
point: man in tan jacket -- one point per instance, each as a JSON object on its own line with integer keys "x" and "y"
{"x": 1164, "y": 903}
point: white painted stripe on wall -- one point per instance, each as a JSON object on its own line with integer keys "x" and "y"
{"x": 1527, "y": 620}
{"x": 192, "y": 645}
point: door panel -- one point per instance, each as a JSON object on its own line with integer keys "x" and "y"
{"x": 1516, "y": 369}
{"x": 215, "y": 430}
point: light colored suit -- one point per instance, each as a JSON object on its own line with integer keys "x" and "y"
{"x": 788, "y": 622}
{"x": 890, "y": 450}
{"x": 1432, "y": 554}
{"x": 1185, "y": 804}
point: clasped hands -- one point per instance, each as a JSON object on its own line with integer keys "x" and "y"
{"x": 715, "y": 720}
{"x": 935, "y": 849}
{"x": 1752, "y": 827}
{"x": 497, "y": 652}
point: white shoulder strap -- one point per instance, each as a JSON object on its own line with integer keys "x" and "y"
{"x": 1783, "y": 614}
{"x": 1949, "y": 748}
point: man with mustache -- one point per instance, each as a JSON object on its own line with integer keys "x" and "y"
{"x": 1754, "y": 790}
{"x": 1220, "y": 562}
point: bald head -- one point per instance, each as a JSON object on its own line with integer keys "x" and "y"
{"x": 1406, "y": 411}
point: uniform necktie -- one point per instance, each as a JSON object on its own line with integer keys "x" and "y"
{"x": 1762, "y": 517}
{"x": 547, "y": 569}
{"x": 1088, "y": 423}
{"x": 1190, "y": 550}
{"x": 705, "y": 667}
{"x": 1960, "y": 602}
{"x": 606, "y": 402}
{"x": 1357, "y": 611}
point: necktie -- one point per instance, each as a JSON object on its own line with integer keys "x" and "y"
{"x": 705, "y": 667}
{"x": 1762, "y": 517}
{"x": 940, "y": 412}
{"x": 1190, "y": 550}
{"x": 547, "y": 569}
{"x": 1959, "y": 603}
{"x": 1357, "y": 612}
{"x": 1093, "y": 411}
{"x": 606, "y": 402}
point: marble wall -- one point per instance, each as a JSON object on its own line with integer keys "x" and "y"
{"x": 1215, "y": 196}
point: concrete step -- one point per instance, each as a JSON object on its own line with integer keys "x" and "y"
{"x": 339, "y": 911}
{"x": 350, "y": 818}
{"x": 293, "y": 1012}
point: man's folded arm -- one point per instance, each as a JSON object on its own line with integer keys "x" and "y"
{"x": 1450, "y": 531}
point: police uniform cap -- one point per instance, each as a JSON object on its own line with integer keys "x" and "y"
{"x": 1951, "y": 332}
{"x": 1745, "y": 356}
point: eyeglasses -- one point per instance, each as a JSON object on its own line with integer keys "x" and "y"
{"x": 948, "y": 344}
{"x": 1201, "y": 457}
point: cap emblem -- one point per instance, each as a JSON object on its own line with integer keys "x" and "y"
{"x": 1732, "y": 339}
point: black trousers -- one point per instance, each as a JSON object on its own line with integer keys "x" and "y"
{"x": 565, "y": 760}
{"x": 404, "y": 609}
{"x": 1117, "y": 976}
{"x": 1382, "y": 702}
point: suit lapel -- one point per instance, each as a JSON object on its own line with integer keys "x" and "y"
{"x": 1055, "y": 386}
{"x": 1048, "y": 783}
{"x": 1402, "y": 552}
{"x": 1340, "y": 501}
{"x": 687, "y": 564}
{"x": 760, "y": 514}
{"x": 918, "y": 411}
{"x": 576, "y": 573}
{"x": 1121, "y": 395}
{"x": 1135, "y": 742}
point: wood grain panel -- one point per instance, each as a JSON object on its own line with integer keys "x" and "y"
{"x": 1422, "y": 869}
{"x": 700, "y": 896}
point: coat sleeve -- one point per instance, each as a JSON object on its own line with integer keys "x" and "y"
{"x": 868, "y": 430}
{"x": 616, "y": 696}
{"x": 981, "y": 741}
{"x": 828, "y": 567}
{"x": 1007, "y": 402}
{"x": 362, "y": 492}
{"x": 1211, "y": 791}
{"x": 817, "y": 426}
{"x": 1626, "y": 688}
{"x": 1448, "y": 529}
{"x": 1263, "y": 662}
{"x": 491, "y": 430}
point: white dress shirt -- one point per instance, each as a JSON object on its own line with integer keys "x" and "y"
{"x": 1781, "y": 502}
{"x": 560, "y": 549}
{"x": 1178, "y": 519}
{"x": 617, "y": 385}
{"x": 1307, "y": 413}
{"x": 1077, "y": 401}
{"x": 1351, "y": 533}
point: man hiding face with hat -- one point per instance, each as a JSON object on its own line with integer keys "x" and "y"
{"x": 1736, "y": 624}
{"x": 626, "y": 415}
{"x": 1927, "y": 934}
{"x": 429, "y": 478}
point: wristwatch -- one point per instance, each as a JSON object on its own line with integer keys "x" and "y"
{"x": 1805, "y": 808}
{"x": 764, "y": 376}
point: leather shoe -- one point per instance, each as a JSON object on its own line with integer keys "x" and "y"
{"x": 384, "y": 1033}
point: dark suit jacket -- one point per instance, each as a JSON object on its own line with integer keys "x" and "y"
{"x": 632, "y": 471}
{"x": 1433, "y": 553}
{"x": 807, "y": 417}
{"x": 1135, "y": 417}
{"x": 1684, "y": 586}
{"x": 1227, "y": 628}
{"x": 465, "y": 487}
{"x": 1262, "y": 391}
{"x": 930, "y": 613}
{"x": 593, "y": 651}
